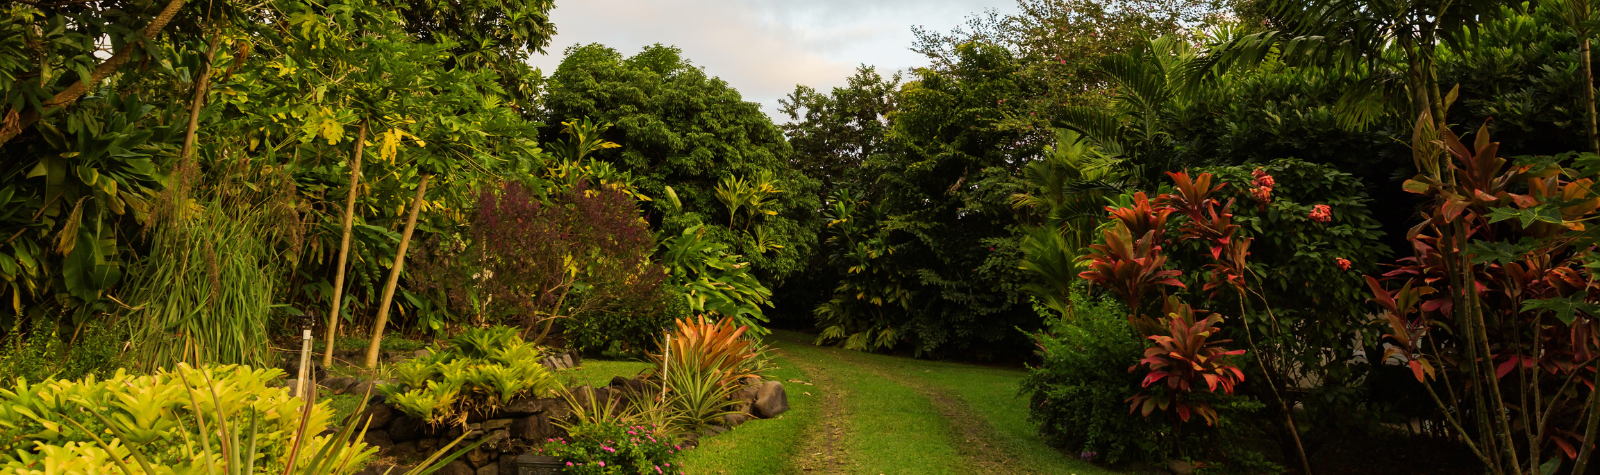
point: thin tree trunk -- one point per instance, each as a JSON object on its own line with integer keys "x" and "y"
{"x": 199, "y": 101}
{"x": 344, "y": 245}
{"x": 14, "y": 122}
{"x": 394, "y": 275}
{"x": 1587, "y": 449}
{"x": 1588, "y": 89}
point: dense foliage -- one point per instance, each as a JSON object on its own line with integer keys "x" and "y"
{"x": 481, "y": 369}
{"x": 681, "y": 128}
{"x": 66, "y": 426}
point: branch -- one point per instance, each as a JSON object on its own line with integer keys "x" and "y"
{"x": 15, "y": 122}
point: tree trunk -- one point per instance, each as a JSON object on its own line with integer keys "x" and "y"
{"x": 1587, "y": 449}
{"x": 13, "y": 122}
{"x": 394, "y": 275}
{"x": 1588, "y": 90}
{"x": 199, "y": 102}
{"x": 344, "y": 245}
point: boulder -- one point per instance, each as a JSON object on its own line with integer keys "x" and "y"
{"x": 751, "y": 380}
{"x": 490, "y": 469}
{"x": 423, "y": 353}
{"x": 747, "y": 394}
{"x": 631, "y": 386}
{"x": 508, "y": 464}
{"x": 534, "y": 429}
{"x": 379, "y": 439}
{"x": 365, "y": 387}
{"x": 337, "y": 385}
{"x": 402, "y": 450}
{"x": 457, "y": 467}
{"x": 574, "y": 359}
{"x": 425, "y": 445}
{"x": 381, "y": 414}
{"x": 770, "y": 400}
{"x": 477, "y": 457}
{"x": 1180, "y": 467}
{"x": 556, "y": 408}
{"x": 734, "y": 419}
{"x": 405, "y": 428}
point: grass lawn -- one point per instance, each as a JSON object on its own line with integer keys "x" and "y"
{"x": 891, "y": 426}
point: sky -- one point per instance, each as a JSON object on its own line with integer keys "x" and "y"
{"x": 764, "y": 48}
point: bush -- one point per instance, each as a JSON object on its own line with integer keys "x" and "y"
{"x": 628, "y": 332}
{"x": 1077, "y": 393}
{"x": 43, "y": 354}
{"x": 54, "y": 427}
{"x": 482, "y": 368}
{"x": 613, "y": 449}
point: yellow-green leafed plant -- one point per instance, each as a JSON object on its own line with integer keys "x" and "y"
{"x": 215, "y": 420}
{"x": 482, "y": 368}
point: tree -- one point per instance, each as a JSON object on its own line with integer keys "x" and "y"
{"x": 679, "y": 127}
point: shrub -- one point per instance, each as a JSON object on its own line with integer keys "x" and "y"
{"x": 483, "y": 368}
{"x": 67, "y": 426}
{"x": 1077, "y": 392}
{"x": 43, "y": 354}
{"x": 607, "y": 448}
{"x": 537, "y": 255}
{"x": 631, "y": 331}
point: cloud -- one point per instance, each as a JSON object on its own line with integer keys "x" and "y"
{"x": 764, "y": 48}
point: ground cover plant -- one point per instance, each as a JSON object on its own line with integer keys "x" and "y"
{"x": 481, "y": 369}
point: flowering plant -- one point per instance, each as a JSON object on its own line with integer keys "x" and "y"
{"x": 613, "y": 449}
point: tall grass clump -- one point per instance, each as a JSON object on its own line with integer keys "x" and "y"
{"x": 204, "y": 291}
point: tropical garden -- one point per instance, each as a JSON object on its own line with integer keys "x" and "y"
{"x": 1154, "y": 236}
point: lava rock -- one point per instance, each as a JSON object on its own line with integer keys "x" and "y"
{"x": 521, "y": 407}
{"x": 405, "y": 428}
{"x": 734, "y": 419}
{"x": 457, "y": 467}
{"x": 337, "y": 385}
{"x": 379, "y": 439}
{"x": 493, "y": 424}
{"x": 381, "y": 414}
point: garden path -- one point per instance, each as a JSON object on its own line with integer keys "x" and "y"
{"x": 873, "y": 414}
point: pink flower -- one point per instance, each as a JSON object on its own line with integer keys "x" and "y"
{"x": 602, "y": 464}
{"x": 569, "y": 464}
{"x": 1321, "y": 213}
{"x": 1344, "y": 264}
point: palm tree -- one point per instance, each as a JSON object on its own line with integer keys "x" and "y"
{"x": 1067, "y": 189}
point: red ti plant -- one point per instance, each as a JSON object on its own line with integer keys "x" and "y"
{"x": 1510, "y": 277}
{"x": 1131, "y": 268}
{"x": 1182, "y": 358}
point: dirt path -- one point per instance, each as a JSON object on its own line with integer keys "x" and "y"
{"x": 822, "y": 448}
{"x": 972, "y": 437}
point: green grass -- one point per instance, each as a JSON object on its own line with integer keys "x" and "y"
{"x": 892, "y": 428}
{"x": 596, "y": 373}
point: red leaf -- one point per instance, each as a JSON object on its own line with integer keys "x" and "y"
{"x": 1416, "y": 369}
{"x": 1506, "y": 367}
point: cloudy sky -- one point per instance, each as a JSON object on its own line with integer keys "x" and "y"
{"x": 764, "y": 47}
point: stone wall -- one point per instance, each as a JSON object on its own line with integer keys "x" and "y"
{"x": 525, "y": 424}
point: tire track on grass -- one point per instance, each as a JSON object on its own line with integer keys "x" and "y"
{"x": 971, "y": 435}
{"x": 822, "y": 447}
